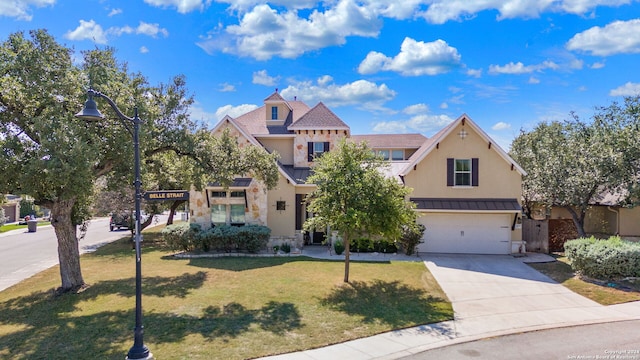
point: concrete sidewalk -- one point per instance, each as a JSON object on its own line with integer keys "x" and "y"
{"x": 492, "y": 295}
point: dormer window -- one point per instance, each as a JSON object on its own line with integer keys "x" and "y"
{"x": 274, "y": 113}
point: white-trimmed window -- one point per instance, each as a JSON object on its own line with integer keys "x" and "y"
{"x": 397, "y": 155}
{"x": 462, "y": 172}
{"x": 228, "y": 207}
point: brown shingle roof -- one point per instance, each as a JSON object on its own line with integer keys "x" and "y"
{"x": 387, "y": 141}
{"x": 255, "y": 123}
{"x": 319, "y": 117}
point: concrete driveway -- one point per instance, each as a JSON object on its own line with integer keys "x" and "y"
{"x": 501, "y": 292}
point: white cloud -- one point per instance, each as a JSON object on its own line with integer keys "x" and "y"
{"x": 534, "y": 80}
{"x": 416, "y": 58}
{"x": 422, "y": 123}
{"x": 19, "y": 9}
{"x": 416, "y": 109}
{"x": 88, "y": 30}
{"x": 234, "y": 111}
{"x": 183, "y": 6}
{"x": 144, "y": 50}
{"x": 520, "y": 68}
{"x": 597, "y": 65}
{"x": 618, "y": 37}
{"x": 476, "y": 73}
{"x": 264, "y": 33}
{"x": 501, "y": 126}
{"x": 444, "y": 105}
{"x": 262, "y": 78}
{"x": 362, "y": 93}
{"x": 628, "y": 89}
{"x": 441, "y": 11}
{"x": 199, "y": 114}
{"x": 114, "y": 12}
{"x": 226, "y": 87}
{"x": 151, "y": 29}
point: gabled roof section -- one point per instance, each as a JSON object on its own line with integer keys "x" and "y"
{"x": 254, "y": 123}
{"x": 390, "y": 141}
{"x": 277, "y": 98}
{"x": 432, "y": 143}
{"x": 229, "y": 120}
{"x": 319, "y": 117}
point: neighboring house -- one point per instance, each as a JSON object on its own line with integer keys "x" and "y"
{"x": 12, "y": 208}
{"x": 465, "y": 187}
{"x": 605, "y": 216}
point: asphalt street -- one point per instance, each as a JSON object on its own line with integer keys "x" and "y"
{"x": 616, "y": 340}
{"x": 24, "y": 254}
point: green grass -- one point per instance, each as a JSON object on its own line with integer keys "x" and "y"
{"x": 5, "y": 228}
{"x": 213, "y": 308}
{"x": 602, "y": 292}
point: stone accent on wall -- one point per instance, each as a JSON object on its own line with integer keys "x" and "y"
{"x": 300, "y": 151}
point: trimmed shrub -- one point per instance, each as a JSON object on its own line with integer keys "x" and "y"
{"x": 604, "y": 259}
{"x": 181, "y": 236}
{"x": 253, "y": 238}
{"x": 338, "y": 247}
{"x": 285, "y": 247}
{"x": 411, "y": 237}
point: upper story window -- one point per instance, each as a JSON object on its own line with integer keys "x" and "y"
{"x": 274, "y": 113}
{"x": 394, "y": 155}
{"x": 462, "y": 172}
{"x": 384, "y": 154}
{"x": 316, "y": 149}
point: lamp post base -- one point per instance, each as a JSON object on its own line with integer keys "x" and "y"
{"x": 149, "y": 356}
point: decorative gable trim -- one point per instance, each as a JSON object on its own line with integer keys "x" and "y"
{"x": 433, "y": 143}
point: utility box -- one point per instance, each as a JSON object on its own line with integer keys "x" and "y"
{"x": 32, "y": 225}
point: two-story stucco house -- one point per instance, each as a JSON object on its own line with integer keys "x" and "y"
{"x": 466, "y": 188}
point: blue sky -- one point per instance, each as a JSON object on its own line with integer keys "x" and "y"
{"x": 383, "y": 66}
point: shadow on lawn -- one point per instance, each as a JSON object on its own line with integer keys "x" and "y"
{"x": 231, "y": 263}
{"x": 387, "y": 302}
{"x": 42, "y": 325}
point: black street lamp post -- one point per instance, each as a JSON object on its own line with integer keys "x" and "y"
{"x": 90, "y": 112}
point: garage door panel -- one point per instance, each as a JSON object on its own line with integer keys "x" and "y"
{"x": 466, "y": 233}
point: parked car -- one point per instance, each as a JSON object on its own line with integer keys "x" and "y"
{"x": 120, "y": 221}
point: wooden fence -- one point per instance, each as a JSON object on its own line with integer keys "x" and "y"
{"x": 536, "y": 235}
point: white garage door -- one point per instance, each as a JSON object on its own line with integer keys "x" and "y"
{"x": 466, "y": 233}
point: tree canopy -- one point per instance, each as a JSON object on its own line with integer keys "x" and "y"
{"x": 55, "y": 157}
{"x": 572, "y": 164}
{"x": 354, "y": 197}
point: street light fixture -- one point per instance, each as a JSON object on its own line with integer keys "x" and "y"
{"x": 90, "y": 112}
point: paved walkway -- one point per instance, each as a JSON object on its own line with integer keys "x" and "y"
{"x": 492, "y": 295}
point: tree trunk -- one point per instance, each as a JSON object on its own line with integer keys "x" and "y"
{"x": 578, "y": 220}
{"x": 68, "y": 253}
{"x": 172, "y": 210}
{"x": 346, "y": 258}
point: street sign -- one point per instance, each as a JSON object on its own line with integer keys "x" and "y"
{"x": 166, "y": 195}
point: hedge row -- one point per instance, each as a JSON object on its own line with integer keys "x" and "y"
{"x": 613, "y": 258}
{"x": 190, "y": 237}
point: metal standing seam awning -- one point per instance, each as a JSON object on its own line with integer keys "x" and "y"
{"x": 495, "y": 205}
{"x": 237, "y": 183}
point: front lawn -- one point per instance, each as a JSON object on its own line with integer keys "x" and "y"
{"x": 5, "y": 228}
{"x": 213, "y": 308}
{"x": 600, "y": 291}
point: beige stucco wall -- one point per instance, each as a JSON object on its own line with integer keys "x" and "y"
{"x": 282, "y": 223}
{"x": 283, "y": 111}
{"x": 630, "y": 222}
{"x": 284, "y": 147}
{"x": 300, "y": 152}
{"x": 495, "y": 176}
